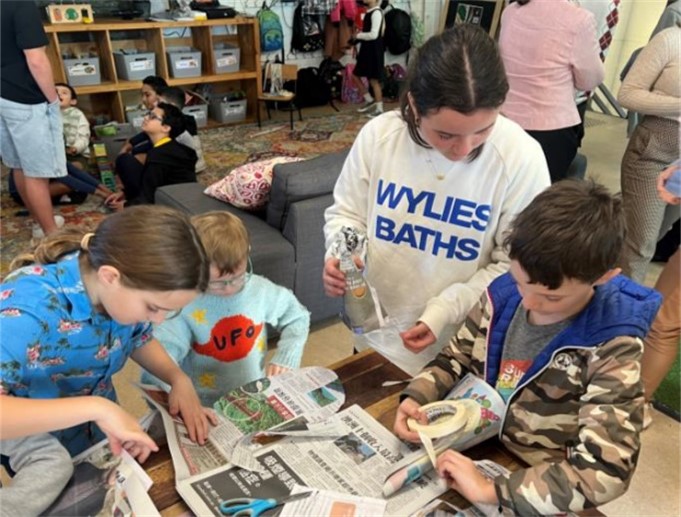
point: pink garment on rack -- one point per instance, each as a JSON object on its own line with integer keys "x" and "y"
{"x": 347, "y": 7}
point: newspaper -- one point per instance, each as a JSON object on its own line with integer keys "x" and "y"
{"x": 485, "y": 425}
{"x": 325, "y": 503}
{"x": 105, "y": 485}
{"x": 355, "y": 463}
{"x": 303, "y": 397}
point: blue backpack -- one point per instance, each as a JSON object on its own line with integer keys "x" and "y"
{"x": 271, "y": 33}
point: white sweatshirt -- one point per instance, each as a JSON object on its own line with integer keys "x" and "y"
{"x": 433, "y": 244}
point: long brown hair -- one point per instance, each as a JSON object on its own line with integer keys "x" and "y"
{"x": 153, "y": 247}
{"x": 460, "y": 69}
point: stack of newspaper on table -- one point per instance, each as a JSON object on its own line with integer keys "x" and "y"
{"x": 344, "y": 455}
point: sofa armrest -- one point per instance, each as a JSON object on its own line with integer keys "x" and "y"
{"x": 296, "y": 181}
{"x": 304, "y": 230}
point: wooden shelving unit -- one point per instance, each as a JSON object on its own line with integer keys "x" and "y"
{"x": 106, "y": 36}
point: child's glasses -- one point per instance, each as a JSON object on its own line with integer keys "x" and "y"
{"x": 153, "y": 116}
{"x": 237, "y": 282}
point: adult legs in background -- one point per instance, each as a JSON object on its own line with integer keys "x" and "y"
{"x": 653, "y": 146}
{"x": 32, "y": 143}
{"x": 560, "y": 148}
{"x": 662, "y": 342}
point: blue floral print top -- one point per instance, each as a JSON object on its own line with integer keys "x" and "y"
{"x": 54, "y": 343}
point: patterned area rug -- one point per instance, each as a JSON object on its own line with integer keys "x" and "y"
{"x": 224, "y": 148}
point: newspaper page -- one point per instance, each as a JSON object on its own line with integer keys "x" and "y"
{"x": 485, "y": 424}
{"x": 105, "y": 485}
{"x": 325, "y": 503}
{"x": 355, "y": 463}
{"x": 310, "y": 394}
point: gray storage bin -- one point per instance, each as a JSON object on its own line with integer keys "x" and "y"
{"x": 227, "y": 58}
{"x": 135, "y": 117}
{"x": 199, "y": 112}
{"x": 83, "y": 72}
{"x": 133, "y": 65}
{"x": 114, "y": 142}
{"x": 184, "y": 61}
{"x": 225, "y": 111}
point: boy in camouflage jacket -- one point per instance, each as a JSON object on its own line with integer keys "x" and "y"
{"x": 559, "y": 337}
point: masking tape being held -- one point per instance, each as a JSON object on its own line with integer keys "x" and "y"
{"x": 446, "y": 417}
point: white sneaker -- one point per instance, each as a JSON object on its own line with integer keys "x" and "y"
{"x": 375, "y": 113}
{"x": 38, "y": 231}
{"x": 366, "y": 107}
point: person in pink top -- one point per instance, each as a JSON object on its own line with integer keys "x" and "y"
{"x": 549, "y": 49}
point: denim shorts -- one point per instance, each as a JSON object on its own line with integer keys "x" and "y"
{"x": 32, "y": 138}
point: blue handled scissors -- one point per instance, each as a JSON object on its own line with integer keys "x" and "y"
{"x": 247, "y": 507}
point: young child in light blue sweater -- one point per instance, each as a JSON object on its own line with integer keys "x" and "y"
{"x": 220, "y": 339}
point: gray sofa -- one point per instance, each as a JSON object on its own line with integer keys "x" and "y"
{"x": 286, "y": 239}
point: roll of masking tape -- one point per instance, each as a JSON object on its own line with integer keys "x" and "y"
{"x": 452, "y": 418}
{"x": 446, "y": 417}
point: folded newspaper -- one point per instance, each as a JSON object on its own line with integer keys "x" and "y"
{"x": 482, "y": 423}
{"x": 106, "y": 485}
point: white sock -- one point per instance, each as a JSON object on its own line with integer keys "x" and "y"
{"x": 367, "y": 97}
{"x": 379, "y": 106}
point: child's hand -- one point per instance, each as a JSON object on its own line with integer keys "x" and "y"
{"x": 417, "y": 338}
{"x": 275, "y": 369}
{"x": 408, "y": 409}
{"x": 462, "y": 476}
{"x": 123, "y": 431}
{"x": 184, "y": 401}
{"x": 115, "y": 201}
{"x": 333, "y": 278}
{"x": 71, "y": 151}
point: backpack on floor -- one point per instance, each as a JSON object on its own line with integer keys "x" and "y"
{"x": 392, "y": 83}
{"x": 307, "y": 35}
{"x": 397, "y": 37}
{"x": 349, "y": 91}
{"x": 331, "y": 73}
{"x": 310, "y": 89}
{"x": 271, "y": 32}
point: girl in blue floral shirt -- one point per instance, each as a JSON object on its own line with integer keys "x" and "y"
{"x": 71, "y": 319}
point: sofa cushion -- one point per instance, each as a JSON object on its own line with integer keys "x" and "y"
{"x": 247, "y": 186}
{"x": 273, "y": 256}
{"x": 294, "y": 182}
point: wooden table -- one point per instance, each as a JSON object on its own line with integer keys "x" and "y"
{"x": 362, "y": 375}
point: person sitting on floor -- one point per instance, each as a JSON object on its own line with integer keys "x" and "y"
{"x": 76, "y": 126}
{"x": 70, "y": 189}
{"x": 560, "y": 338}
{"x": 168, "y": 162}
{"x": 236, "y": 301}
{"x": 190, "y": 137}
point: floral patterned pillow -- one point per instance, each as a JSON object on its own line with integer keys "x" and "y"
{"x": 248, "y": 186}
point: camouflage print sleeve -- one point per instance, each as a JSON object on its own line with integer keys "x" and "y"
{"x": 454, "y": 361}
{"x": 599, "y": 464}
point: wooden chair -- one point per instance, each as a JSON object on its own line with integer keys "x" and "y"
{"x": 282, "y": 102}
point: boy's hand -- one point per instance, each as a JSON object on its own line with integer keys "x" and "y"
{"x": 275, "y": 369}
{"x": 462, "y": 476}
{"x": 123, "y": 431}
{"x": 71, "y": 151}
{"x": 417, "y": 338}
{"x": 409, "y": 408}
{"x": 184, "y": 401}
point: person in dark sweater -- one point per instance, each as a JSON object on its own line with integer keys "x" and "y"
{"x": 168, "y": 162}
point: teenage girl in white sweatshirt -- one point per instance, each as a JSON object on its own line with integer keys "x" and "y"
{"x": 435, "y": 186}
